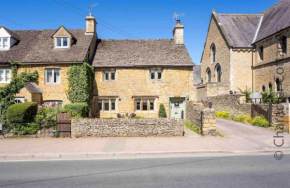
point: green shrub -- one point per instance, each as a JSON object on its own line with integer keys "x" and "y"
{"x": 191, "y": 127}
{"x": 46, "y": 116}
{"x": 28, "y": 129}
{"x": 260, "y": 122}
{"x": 162, "y": 111}
{"x": 22, "y": 113}
{"x": 222, "y": 114}
{"x": 243, "y": 119}
{"x": 77, "y": 109}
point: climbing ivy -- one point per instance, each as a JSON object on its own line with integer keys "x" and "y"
{"x": 80, "y": 83}
{"x": 7, "y": 92}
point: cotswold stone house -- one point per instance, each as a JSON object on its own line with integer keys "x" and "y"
{"x": 136, "y": 76}
{"x": 50, "y": 53}
{"x": 245, "y": 50}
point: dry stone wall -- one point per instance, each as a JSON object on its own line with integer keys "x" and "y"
{"x": 126, "y": 127}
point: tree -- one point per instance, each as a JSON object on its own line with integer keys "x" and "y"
{"x": 162, "y": 112}
{"x": 246, "y": 92}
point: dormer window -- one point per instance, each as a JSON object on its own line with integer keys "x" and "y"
{"x": 62, "y": 42}
{"x": 4, "y": 43}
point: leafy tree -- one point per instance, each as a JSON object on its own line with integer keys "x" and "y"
{"x": 270, "y": 96}
{"x": 247, "y": 91}
{"x": 162, "y": 111}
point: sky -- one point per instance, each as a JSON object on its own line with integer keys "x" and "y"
{"x": 127, "y": 19}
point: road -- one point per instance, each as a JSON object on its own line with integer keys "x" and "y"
{"x": 201, "y": 171}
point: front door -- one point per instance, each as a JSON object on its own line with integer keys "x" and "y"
{"x": 177, "y": 108}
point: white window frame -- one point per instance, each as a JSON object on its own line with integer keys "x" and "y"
{"x": 151, "y": 71}
{"x": 106, "y": 72}
{"x": 53, "y": 69}
{"x": 102, "y": 102}
{"x": 9, "y": 75}
{"x": 2, "y": 43}
{"x": 61, "y": 43}
{"x": 109, "y": 76}
{"x": 161, "y": 72}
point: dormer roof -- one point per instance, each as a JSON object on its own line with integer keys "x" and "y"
{"x": 63, "y": 32}
{"x": 11, "y": 33}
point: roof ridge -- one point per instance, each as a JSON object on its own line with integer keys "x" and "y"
{"x": 134, "y": 39}
{"x": 239, "y": 14}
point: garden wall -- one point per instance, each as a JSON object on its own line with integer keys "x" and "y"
{"x": 207, "y": 121}
{"x": 126, "y": 127}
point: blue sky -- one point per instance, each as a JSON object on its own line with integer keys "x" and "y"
{"x": 127, "y": 19}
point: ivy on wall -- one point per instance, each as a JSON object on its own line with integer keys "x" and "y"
{"x": 80, "y": 83}
{"x": 7, "y": 92}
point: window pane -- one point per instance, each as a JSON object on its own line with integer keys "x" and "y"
{"x": 113, "y": 105}
{"x": 0, "y": 42}
{"x": 2, "y": 75}
{"x": 106, "y": 76}
{"x": 159, "y": 74}
{"x": 138, "y": 105}
{"x": 113, "y": 75}
{"x": 151, "y": 104}
{"x": 145, "y": 105}
{"x": 152, "y": 74}
{"x": 56, "y": 75}
{"x": 106, "y": 105}
{"x": 49, "y": 76}
{"x": 7, "y": 75}
{"x": 58, "y": 41}
{"x": 100, "y": 105}
{"x": 5, "y": 42}
{"x": 65, "y": 41}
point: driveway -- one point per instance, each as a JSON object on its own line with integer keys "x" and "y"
{"x": 258, "y": 137}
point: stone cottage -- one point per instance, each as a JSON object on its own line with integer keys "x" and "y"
{"x": 136, "y": 76}
{"x": 245, "y": 50}
{"x": 50, "y": 53}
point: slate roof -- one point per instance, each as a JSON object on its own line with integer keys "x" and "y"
{"x": 32, "y": 88}
{"x": 197, "y": 74}
{"x": 134, "y": 53}
{"x": 37, "y": 46}
{"x": 240, "y": 28}
{"x": 275, "y": 19}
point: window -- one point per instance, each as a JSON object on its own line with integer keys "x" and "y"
{"x": 261, "y": 53}
{"x": 263, "y": 88}
{"x": 213, "y": 53}
{"x": 4, "y": 43}
{"x": 106, "y": 105}
{"x": 53, "y": 103}
{"x": 145, "y": 105}
{"x": 52, "y": 76}
{"x": 208, "y": 72}
{"x": 159, "y": 74}
{"x": 278, "y": 85}
{"x": 19, "y": 100}
{"x": 61, "y": 42}
{"x": 284, "y": 44}
{"x": 218, "y": 73}
{"x": 152, "y": 74}
{"x": 109, "y": 76}
{"x": 270, "y": 87}
{"x": 4, "y": 75}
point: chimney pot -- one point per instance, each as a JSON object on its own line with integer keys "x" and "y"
{"x": 178, "y": 33}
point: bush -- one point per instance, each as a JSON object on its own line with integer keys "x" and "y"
{"x": 243, "y": 119}
{"x": 260, "y": 122}
{"x": 22, "y": 113}
{"x": 28, "y": 129}
{"x": 162, "y": 112}
{"x": 77, "y": 109}
{"x": 223, "y": 114}
{"x": 46, "y": 116}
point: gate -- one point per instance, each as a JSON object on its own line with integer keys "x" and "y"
{"x": 63, "y": 124}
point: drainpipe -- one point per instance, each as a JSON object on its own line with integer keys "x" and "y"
{"x": 252, "y": 70}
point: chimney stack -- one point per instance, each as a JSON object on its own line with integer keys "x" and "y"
{"x": 178, "y": 33}
{"x": 91, "y": 24}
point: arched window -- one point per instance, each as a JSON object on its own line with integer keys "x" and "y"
{"x": 270, "y": 87}
{"x": 218, "y": 70}
{"x": 213, "y": 52}
{"x": 278, "y": 84}
{"x": 284, "y": 44}
{"x": 263, "y": 88}
{"x": 208, "y": 72}
{"x": 261, "y": 53}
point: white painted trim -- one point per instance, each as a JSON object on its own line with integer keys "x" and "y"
{"x": 52, "y": 83}
{"x": 62, "y": 47}
{"x": 4, "y": 71}
{"x": 258, "y": 29}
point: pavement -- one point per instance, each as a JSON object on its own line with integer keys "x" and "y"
{"x": 259, "y": 171}
{"x": 238, "y": 138}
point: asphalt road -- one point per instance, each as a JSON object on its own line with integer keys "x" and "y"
{"x": 227, "y": 171}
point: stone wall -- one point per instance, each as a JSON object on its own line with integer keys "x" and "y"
{"x": 211, "y": 89}
{"x": 176, "y": 82}
{"x": 201, "y": 117}
{"x": 126, "y": 127}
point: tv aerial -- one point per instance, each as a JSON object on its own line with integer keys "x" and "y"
{"x": 176, "y": 16}
{"x": 92, "y": 6}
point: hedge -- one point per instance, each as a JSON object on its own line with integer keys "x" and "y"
{"x": 22, "y": 113}
{"x": 77, "y": 109}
